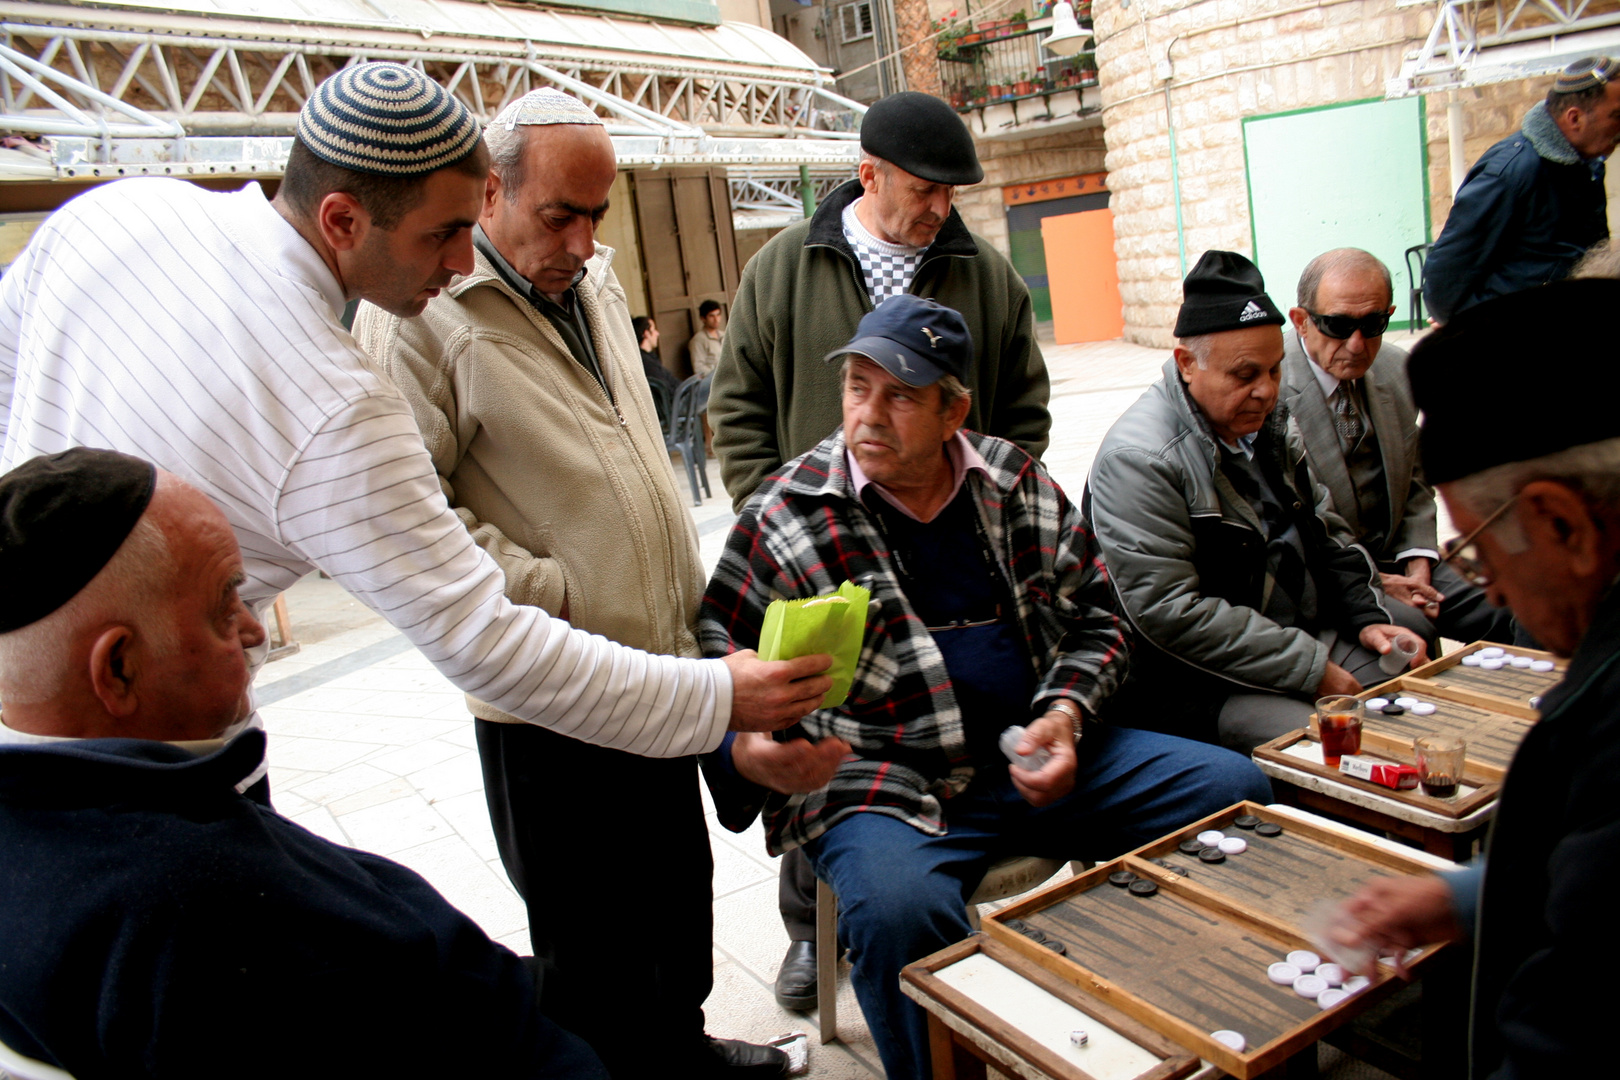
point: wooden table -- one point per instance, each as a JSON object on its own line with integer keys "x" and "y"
{"x": 994, "y": 1011}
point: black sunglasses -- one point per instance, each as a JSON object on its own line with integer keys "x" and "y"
{"x": 1344, "y": 326}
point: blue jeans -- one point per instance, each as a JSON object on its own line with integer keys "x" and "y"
{"x": 902, "y": 894}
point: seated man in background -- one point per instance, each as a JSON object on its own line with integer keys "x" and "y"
{"x": 989, "y": 609}
{"x": 157, "y": 922}
{"x": 1248, "y": 598}
{"x": 1347, "y": 393}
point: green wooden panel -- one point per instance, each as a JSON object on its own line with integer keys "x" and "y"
{"x": 1028, "y": 253}
{"x": 1350, "y": 175}
{"x": 1040, "y": 298}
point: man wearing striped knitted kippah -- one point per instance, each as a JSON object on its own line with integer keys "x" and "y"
{"x": 202, "y": 331}
{"x": 1535, "y": 202}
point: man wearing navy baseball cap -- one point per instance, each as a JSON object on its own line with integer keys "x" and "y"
{"x": 989, "y": 611}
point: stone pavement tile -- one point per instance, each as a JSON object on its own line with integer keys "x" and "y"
{"x": 290, "y": 718}
{"x": 401, "y": 703}
{"x": 467, "y": 882}
{"x": 462, "y": 733}
{"x": 740, "y": 1008}
{"x": 392, "y": 827}
{"x": 289, "y": 803}
{"x": 733, "y": 870}
{"x": 326, "y": 787}
{"x": 395, "y": 787}
{"x": 281, "y": 779}
{"x": 469, "y": 815}
{"x": 749, "y": 930}
{"x": 324, "y": 755}
{"x": 318, "y": 821}
{"x": 518, "y": 941}
{"x": 454, "y": 776}
{"x": 415, "y": 757}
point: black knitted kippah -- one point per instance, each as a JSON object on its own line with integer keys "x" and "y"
{"x": 1518, "y": 377}
{"x": 1224, "y": 292}
{"x": 922, "y": 135}
{"x": 62, "y": 518}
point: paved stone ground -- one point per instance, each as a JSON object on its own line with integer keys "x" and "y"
{"x": 374, "y": 749}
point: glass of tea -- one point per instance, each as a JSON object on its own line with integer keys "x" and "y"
{"x": 1338, "y": 722}
{"x": 1440, "y": 764}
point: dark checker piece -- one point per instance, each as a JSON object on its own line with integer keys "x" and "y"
{"x": 1016, "y": 924}
{"x": 1246, "y": 821}
{"x": 1393, "y": 710}
{"x": 1036, "y": 936}
{"x": 1212, "y": 854}
{"x": 1121, "y": 878}
{"x": 1143, "y": 888}
{"x": 1190, "y": 846}
{"x": 1055, "y": 946}
{"x": 1172, "y": 867}
{"x": 1268, "y": 828}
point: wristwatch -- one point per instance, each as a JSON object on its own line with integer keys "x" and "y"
{"x": 1069, "y": 709}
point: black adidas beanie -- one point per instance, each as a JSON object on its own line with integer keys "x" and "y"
{"x": 1224, "y": 292}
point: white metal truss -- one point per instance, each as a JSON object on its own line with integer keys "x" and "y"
{"x": 1475, "y": 42}
{"x": 132, "y": 91}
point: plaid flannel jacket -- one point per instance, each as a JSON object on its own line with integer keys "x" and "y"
{"x": 804, "y": 532}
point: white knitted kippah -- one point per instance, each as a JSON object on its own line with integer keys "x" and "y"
{"x": 545, "y": 106}
{"x": 387, "y": 119}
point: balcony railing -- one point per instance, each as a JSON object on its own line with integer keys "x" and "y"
{"x": 991, "y": 64}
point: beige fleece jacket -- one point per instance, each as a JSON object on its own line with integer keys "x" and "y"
{"x": 570, "y": 490}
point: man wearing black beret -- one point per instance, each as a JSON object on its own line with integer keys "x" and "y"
{"x": 1248, "y": 597}
{"x": 1537, "y": 499}
{"x": 774, "y": 397}
{"x": 158, "y": 922}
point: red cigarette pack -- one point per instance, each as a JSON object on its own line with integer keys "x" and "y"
{"x": 1385, "y": 773}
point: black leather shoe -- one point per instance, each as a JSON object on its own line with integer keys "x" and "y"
{"x": 796, "y": 978}
{"x": 734, "y": 1058}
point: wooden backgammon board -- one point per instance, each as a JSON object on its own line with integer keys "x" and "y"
{"x": 1511, "y": 687}
{"x": 1190, "y": 957}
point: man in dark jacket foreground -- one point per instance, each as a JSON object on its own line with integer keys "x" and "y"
{"x": 1538, "y": 502}
{"x": 157, "y": 923}
{"x": 1533, "y": 203}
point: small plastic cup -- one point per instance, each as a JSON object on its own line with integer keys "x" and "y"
{"x": 1399, "y": 657}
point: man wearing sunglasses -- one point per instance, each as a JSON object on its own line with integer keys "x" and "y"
{"x": 1538, "y": 501}
{"x": 1348, "y": 395}
{"x": 1248, "y": 596}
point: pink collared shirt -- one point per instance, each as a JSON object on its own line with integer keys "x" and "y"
{"x": 962, "y": 456}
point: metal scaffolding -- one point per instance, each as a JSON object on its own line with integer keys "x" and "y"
{"x": 202, "y": 88}
{"x": 1476, "y": 42}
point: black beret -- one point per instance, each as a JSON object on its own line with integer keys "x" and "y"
{"x": 62, "y": 518}
{"x": 1518, "y": 377}
{"x": 1224, "y": 292}
{"x": 923, "y": 135}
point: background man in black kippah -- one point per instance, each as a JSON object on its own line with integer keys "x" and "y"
{"x": 775, "y": 397}
{"x": 158, "y": 923}
{"x": 1534, "y": 202}
{"x": 1538, "y": 503}
{"x": 1248, "y": 598}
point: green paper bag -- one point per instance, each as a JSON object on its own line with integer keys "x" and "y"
{"x": 834, "y": 624}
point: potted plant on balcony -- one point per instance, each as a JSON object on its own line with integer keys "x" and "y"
{"x": 1023, "y": 86}
{"x": 981, "y": 95}
{"x": 1088, "y": 69}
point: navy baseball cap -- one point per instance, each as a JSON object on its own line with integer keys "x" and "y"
{"x": 916, "y": 339}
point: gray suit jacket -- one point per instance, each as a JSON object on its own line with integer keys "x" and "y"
{"x": 1394, "y": 419}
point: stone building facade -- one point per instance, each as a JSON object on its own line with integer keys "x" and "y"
{"x": 1229, "y": 60}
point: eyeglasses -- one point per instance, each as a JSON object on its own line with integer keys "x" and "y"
{"x": 1344, "y": 326}
{"x": 1463, "y": 554}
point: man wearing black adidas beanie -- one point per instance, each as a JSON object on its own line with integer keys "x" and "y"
{"x": 1247, "y": 597}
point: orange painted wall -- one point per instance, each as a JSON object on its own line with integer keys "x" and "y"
{"x": 1083, "y": 276}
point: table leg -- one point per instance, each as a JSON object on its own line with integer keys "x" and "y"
{"x": 951, "y": 1059}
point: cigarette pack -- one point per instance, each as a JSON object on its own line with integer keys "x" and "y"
{"x": 1386, "y": 773}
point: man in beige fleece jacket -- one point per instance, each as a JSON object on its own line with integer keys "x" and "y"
{"x": 526, "y": 381}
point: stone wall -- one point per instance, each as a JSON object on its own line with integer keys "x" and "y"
{"x": 1231, "y": 59}
{"x": 1008, "y": 161}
